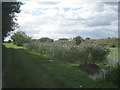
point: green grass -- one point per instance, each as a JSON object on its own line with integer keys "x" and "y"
{"x": 28, "y": 69}
{"x": 11, "y": 45}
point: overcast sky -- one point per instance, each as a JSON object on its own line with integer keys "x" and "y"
{"x": 68, "y": 18}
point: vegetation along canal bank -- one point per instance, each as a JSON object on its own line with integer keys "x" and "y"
{"x": 37, "y": 64}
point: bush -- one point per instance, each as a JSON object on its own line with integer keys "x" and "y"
{"x": 25, "y": 44}
{"x": 70, "y": 52}
{"x": 78, "y": 40}
{"x": 45, "y": 39}
{"x": 87, "y": 38}
{"x": 19, "y": 38}
{"x": 112, "y": 75}
{"x": 113, "y": 46}
{"x": 95, "y": 53}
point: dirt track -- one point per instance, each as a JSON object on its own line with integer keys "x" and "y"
{"x": 20, "y": 71}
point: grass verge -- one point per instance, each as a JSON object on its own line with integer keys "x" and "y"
{"x": 27, "y": 69}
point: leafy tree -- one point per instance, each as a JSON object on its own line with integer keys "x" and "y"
{"x": 46, "y": 39}
{"x": 9, "y": 10}
{"x": 78, "y": 40}
{"x": 87, "y": 38}
{"x": 19, "y": 38}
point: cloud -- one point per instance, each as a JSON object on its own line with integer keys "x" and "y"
{"x": 111, "y": 3}
{"x": 49, "y": 3}
{"x": 63, "y": 18}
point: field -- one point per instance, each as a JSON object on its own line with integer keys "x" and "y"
{"x": 23, "y": 68}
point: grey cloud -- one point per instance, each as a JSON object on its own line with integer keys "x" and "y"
{"x": 96, "y": 22}
{"x": 72, "y": 22}
{"x": 111, "y": 3}
{"x": 49, "y": 3}
{"x": 100, "y": 7}
{"x": 98, "y": 33}
{"x": 91, "y": 22}
{"x": 101, "y": 20}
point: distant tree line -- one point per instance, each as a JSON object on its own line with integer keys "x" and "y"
{"x": 20, "y": 38}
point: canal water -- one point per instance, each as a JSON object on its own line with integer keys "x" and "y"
{"x": 95, "y": 71}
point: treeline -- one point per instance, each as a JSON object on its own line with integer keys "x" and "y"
{"x": 20, "y": 38}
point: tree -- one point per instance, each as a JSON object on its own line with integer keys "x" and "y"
{"x": 46, "y": 39}
{"x": 87, "y": 38}
{"x": 19, "y": 38}
{"x": 78, "y": 40}
{"x": 9, "y": 10}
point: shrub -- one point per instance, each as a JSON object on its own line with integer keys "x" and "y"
{"x": 78, "y": 40}
{"x": 46, "y": 39}
{"x": 113, "y": 45}
{"x": 19, "y": 38}
{"x": 87, "y": 38}
{"x": 95, "y": 53}
{"x": 69, "y": 52}
{"x": 112, "y": 75}
{"x": 25, "y": 44}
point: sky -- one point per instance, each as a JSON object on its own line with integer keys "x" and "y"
{"x": 68, "y": 18}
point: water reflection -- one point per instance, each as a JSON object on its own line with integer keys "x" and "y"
{"x": 92, "y": 70}
{"x": 113, "y": 61}
{"x": 95, "y": 71}
{"x": 100, "y": 74}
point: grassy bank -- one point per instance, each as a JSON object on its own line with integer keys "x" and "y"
{"x": 23, "y": 68}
